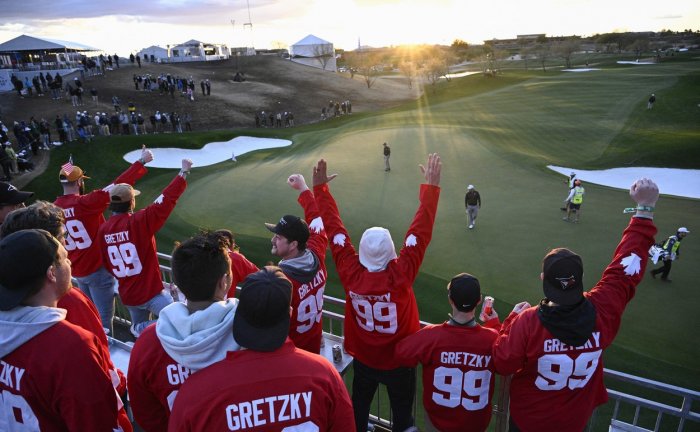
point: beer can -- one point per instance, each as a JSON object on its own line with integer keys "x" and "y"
{"x": 487, "y": 308}
{"x": 337, "y": 353}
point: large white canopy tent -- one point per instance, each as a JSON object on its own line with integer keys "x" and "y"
{"x": 314, "y": 51}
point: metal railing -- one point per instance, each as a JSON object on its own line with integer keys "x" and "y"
{"x": 641, "y": 409}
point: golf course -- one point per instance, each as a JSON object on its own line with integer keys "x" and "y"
{"x": 499, "y": 134}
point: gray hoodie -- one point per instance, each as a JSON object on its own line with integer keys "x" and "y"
{"x": 199, "y": 339}
{"x": 21, "y": 324}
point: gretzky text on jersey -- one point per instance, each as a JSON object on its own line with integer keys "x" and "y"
{"x": 268, "y": 410}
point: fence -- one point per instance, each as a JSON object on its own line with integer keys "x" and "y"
{"x": 646, "y": 414}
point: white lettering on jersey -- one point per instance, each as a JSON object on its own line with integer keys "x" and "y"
{"x": 555, "y": 345}
{"x": 371, "y": 298}
{"x": 69, "y": 212}
{"x": 465, "y": 358}
{"x": 117, "y": 237}
{"x": 177, "y": 373}
{"x": 269, "y": 410}
{"x": 11, "y": 376}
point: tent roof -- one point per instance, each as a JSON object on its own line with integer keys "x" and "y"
{"x": 312, "y": 40}
{"x": 154, "y": 47}
{"x": 29, "y": 43}
{"x": 190, "y": 42}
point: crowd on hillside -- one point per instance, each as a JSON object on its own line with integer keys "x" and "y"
{"x": 217, "y": 362}
{"x": 336, "y": 109}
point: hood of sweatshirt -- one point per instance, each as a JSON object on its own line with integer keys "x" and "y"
{"x": 199, "y": 339}
{"x": 20, "y": 324}
{"x": 302, "y": 268}
{"x": 572, "y": 325}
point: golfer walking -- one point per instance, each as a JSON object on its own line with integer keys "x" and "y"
{"x": 472, "y": 201}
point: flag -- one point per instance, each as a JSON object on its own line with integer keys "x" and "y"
{"x": 67, "y": 167}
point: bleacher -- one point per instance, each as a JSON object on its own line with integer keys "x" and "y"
{"x": 630, "y": 411}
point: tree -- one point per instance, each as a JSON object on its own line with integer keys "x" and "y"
{"x": 409, "y": 69}
{"x": 323, "y": 53}
{"x": 566, "y": 49}
{"x": 364, "y": 63}
{"x": 433, "y": 70}
{"x": 542, "y": 51}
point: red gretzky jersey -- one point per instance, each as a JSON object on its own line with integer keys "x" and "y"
{"x": 59, "y": 381}
{"x": 240, "y": 268}
{"x": 306, "y": 326}
{"x": 128, "y": 246}
{"x": 287, "y": 389}
{"x": 555, "y": 386}
{"x": 458, "y": 374}
{"x": 81, "y": 311}
{"x": 154, "y": 380}
{"x": 84, "y": 215}
{"x": 380, "y": 307}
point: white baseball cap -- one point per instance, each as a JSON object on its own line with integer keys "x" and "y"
{"x": 470, "y": 187}
{"x": 683, "y": 230}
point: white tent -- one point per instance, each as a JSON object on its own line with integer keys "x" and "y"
{"x": 157, "y": 52}
{"x": 314, "y": 51}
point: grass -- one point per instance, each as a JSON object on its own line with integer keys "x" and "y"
{"x": 497, "y": 134}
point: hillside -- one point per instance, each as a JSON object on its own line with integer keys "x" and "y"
{"x": 272, "y": 84}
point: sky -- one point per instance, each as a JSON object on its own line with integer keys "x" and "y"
{"x": 125, "y": 26}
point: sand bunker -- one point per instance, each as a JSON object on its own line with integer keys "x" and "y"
{"x": 210, "y": 154}
{"x": 580, "y": 70}
{"x": 634, "y": 62}
{"x": 671, "y": 181}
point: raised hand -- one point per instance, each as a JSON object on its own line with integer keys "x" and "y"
{"x": 518, "y": 308}
{"x": 645, "y": 192}
{"x": 146, "y": 154}
{"x": 186, "y": 164}
{"x": 297, "y": 181}
{"x": 321, "y": 173}
{"x": 432, "y": 172}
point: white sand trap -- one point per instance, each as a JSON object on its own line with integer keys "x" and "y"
{"x": 460, "y": 74}
{"x": 580, "y": 70}
{"x": 671, "y": 181}
{"x": 210, "y": 154}
{"x": 634, "y": 62}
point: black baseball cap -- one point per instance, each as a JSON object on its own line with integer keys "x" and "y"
{"x": 291, "y": 227}
{"x": 24, "y": 258}
{"x": 465, "y": 291}
{"x": 261, "y": 322}
{"x": 11, "y": 195}
{"x": 563, "y": 277}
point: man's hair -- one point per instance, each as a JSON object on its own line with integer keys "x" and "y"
{"x": 41, "y": 215}
{"x": 227, "y": 236}
{"x": 199, "y": 263}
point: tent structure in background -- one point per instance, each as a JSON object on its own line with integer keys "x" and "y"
{"x": 27, "y": 52}
{"x": 154, "y": 53}
{"x": 27, "y": 56}
{"x": 314, "y": 51}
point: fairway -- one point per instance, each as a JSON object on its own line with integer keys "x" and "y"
{"x": 499, "y": 136}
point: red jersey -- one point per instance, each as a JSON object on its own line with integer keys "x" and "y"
{"x": 84, "y": 215}
{"x": 81, "y": 311}
{"x": 458, "y": 374}
{"x": 286, "y": 389}
{"x": 240, "y": 268}
{"x": 154, "y": 380}
{"x": 380, "y": 307}
{"x": 58, "y": 381}
{"x": 547, "y": 372}
{"x": 128, "y": 246}
{"x": 309, "y": 282}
